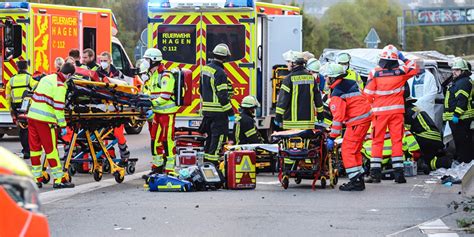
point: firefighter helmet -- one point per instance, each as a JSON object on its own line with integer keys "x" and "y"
{"x": 249, "y": 102}
{"x": 334, "y": 70}
{"x": 222, "y": 50}
{"x": 292, "y": 56}
{"x": 460, "y": 64}
{"x": 153, "y": 54}
{"x": 343, "y": 58}
{"x": 389, "y": 52}
{"x": 313, "y": 65}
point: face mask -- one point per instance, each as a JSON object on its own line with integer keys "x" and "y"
{"x": 144, "y": 77}
{"x": 144, "y": 66}
{"x": 345, "y": 67}
{"x": 104, "y": 65}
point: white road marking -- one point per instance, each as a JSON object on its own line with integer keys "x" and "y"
{"x": 269, "y": 183}
{"x": 56, "y": 195}
{"x": 437, "y": 228}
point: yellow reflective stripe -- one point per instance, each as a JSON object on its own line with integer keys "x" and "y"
{"x": 237, "y": 133}
{"x": 280, "y": 110}
{"x": 320, "y": 109}
{"x": 433, "y": 163}
{"x": 459, "y": 110}
{"x": 423, "y": 123}
{"x": 222, "y": 87}
{"x": 463, "y": 92}
{"x": 228, "y": 106}
{"x": 285, "y": 88}
{"x": 294, "y": 106}
{"x": 446, "y": 99}
{"x": 312, "y": 100}
{"x": 250, "y": 132}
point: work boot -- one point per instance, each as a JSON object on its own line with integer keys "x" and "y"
{"x": 375, "y": 176}
{"x": 399, "y": 176}
{"x": 354, "y": 184}
{"x": 39, "y": 184}
{"x": 63, "y": 185}
{"x": 155, "y": 170}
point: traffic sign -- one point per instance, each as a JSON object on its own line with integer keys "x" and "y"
{"x": 372, "y": 39}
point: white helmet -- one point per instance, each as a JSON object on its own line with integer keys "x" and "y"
{"x": 153, "y": 54}
{"x": 292, "y": 56}
{"x": 249, "y": 102}
{"x": 222, "y": 50}
{"x": 313, "y": 65}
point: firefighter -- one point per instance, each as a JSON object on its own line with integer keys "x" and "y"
{"x": 313, "y": 66}
{"x": 344, "y": 59}
{"x": 428, "y": 136}
{"x": 307, "y": 56}
{"x": 459, "y": 111}
{"x": 15, "y": 90}
{"x": 385, "y": 91}
{"x": 245, "y": 129}
{"x": 88, "y": 60}
{"x": 299, "y": 96}
{"x": 164, "y": 113}
{"x": 216, "y": 107}
{"x": 107, "y": 69}
{"x": 348, "y": 106}
{"x": 45, "y": 113}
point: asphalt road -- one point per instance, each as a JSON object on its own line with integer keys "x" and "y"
{"x": 107, "y": 208}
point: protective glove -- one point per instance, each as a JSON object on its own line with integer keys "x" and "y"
{"x": 455, "y": 119}
{"x": 232, "y": 118}
{"x": 63, "y": 132}
{"x": 401, "y": 57}
{"x": 277, "y": 123}
{"x": 330, "y": 144}
{"x": 149, "y": 114}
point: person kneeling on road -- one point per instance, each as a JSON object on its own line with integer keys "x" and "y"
{"x": 348, "y": 106}
{"x": 245, "y": 129}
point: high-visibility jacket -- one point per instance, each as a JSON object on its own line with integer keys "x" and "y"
{"x": 17, "y": 86}
{"x": 458, "y": 99}
{"x": 420, "y": 124}
{"x": 353, "y": 75}
{"x": 348, "y": 106}
{"x": 385, "y": 88}
{"x": 162, "y": 92}
{"x": 298, "y": 100}
{"x": 91, "y": 66}
{"x": 410, "y": 146}
{"x": 215, "y": 90}
{"x": 245, "y": 130}
{"x": 48, "y": 100}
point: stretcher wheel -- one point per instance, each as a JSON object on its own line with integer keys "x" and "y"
{"x": 298, "y": 180}
{"x": 323, "y": 182}
{"x": 106, "y": 166}
{"x": 46, "y": 177}
{"x": 118, "y": 177}
{"x": 285, "y": 182}
{"x": 130, "y": 168}
{"x": 97, "y": 175}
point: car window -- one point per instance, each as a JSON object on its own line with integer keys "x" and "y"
{"x": 232, "y": 35}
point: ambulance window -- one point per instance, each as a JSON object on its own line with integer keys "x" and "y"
{"x": 178, "y": 43}
{"x": 117, "y": 57}
{"x": 232, "y": 35}
{"x": 12, "y": 41}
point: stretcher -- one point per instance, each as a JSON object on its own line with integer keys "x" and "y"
{"x": 92, "y": 111}
{"x": 303, "y": 155}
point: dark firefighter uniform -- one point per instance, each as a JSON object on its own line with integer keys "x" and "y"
{"x": 298, "y": 95}
{"x": 427, "y": 135}
{"x": 245, "y": 130}
{"x": 458, "y": 102}
{"x": 216, "y": 109}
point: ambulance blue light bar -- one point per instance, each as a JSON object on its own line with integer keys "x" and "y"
{"x": 157, "y": 4}
{"x": 13, "y": 5}
{"x": 239, "y": 3}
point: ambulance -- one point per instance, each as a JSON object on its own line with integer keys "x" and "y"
{"x": 186, "y": 32}
{"x": 39, "y": 33}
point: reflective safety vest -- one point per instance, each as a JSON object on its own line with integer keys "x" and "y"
{"x": 421, "y": 125}
{"x": 410, "y": 145}
{"x": 215, "y": 90}
{"x": 17, "y": 86}
{"x": 353, "y": 75}
{"x": 47, "y": 103}
{"x": 298, "y": 100}
{"x": 458, "y": 99}
{"x": 385, "y": 88}
{"x": 245, "y": 130}
{"x": 161, "y": 91}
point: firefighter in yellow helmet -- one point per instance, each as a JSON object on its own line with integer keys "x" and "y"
{"x": 245, "y": 129}
{"x": 161, "y": 88}
{"x": 45, "y": 113}
{"x": 216, "y": 107}
{"x": 299, "y": 97}
{"x": 15, "y": 90}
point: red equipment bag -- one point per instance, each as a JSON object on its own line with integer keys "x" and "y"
{"x": 183, "y": 86}
{"x": 240, "y": 169}
{"x": 187, "y": 157}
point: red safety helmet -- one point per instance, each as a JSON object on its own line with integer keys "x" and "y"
{"x": 389, "y": 52}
